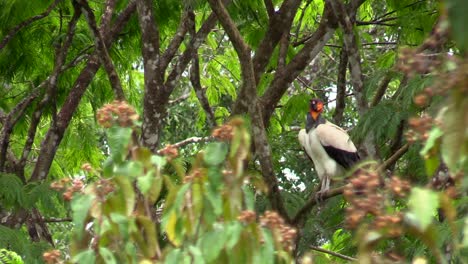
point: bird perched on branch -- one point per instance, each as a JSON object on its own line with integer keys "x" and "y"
{"x": 327, "y": 145}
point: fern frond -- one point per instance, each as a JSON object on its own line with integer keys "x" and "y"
{"x": 9, "y": 257}
{"x": 11, "y": 190}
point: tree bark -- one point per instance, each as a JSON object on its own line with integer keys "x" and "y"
{"x": 55, "y": 134}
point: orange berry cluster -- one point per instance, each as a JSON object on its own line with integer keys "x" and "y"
{"x": 247, "y": 216}
{"x": 287, "y": 234}
{"x": 411, "y": 61}
{"x": 367, "y": 199}
{"x": 364, "y": 197}
{"x": 391, "y": 224}
{"x": 87, "y": 167}
{"x": 196, "y": 174}
{"x": 223, "y": 133}
{"x": 419, "y": 127}
{"x": 51, "y": 257}
{"x": 118, "y": 112}
{"x": 77, "y": 186}
{"x": 399, "y": 187}
{"x": 104, "y": 187}
{"x": 170, "y": 151}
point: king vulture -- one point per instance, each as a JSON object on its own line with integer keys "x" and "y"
{"x": 327, "y": 145}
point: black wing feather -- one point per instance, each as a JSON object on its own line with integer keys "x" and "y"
{"x": 344, "y": 158}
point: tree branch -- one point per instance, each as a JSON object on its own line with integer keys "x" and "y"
{"x": 101, "y": 46}
{"x": 51, "y": 91}
{"x": 55, "y": 133}
{"x": 188, "y": 141}
{"x": 171, "y": 50}
{"x": 270, "y": 8}
{"x": 335, "y": 254}
{"x": 357, "y": 79}
{"x": 394, "y": 158}
{"x": 284, "y": 77}
{"x": 195, "y": 76}
{"x": 283, "y": 50}
{"x": 280, "y": 24}
{"x": 25, "y": 23}
{"x": 248, "y": 89}
{"x": 381, "y": 89}
{"x": 10, "y": 121}
{"x": 341, "y": 88}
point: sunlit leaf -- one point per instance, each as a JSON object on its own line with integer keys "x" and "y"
{"x": 118, "y": 139}
{"x": 465, "y": 233}
{"x": 215, "y": 153}
{"x": 457, "y": 10}
{"x": 170, "y": 228}
{"x": 212, "y": 243}
{"x": 80, "y": 206}
{"x": 423, "y": 204}
{"x": 146, "y": 182}
{"x": 85, "y": 257}
{"x": 107, "y": 255}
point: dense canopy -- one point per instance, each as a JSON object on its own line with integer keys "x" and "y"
{"x": 166, "y": 131}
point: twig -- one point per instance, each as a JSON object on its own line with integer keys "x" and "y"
{"x": 103, "y": 50}
{"x": 57, "y": 220}
{"x": 189, "y": 141}
{"x": 394, "y": 158}
{"x": 341, "y": 87}
{"x": 381, "y": 89}
{"x": 25, "y": 23}
{"x": 332, "y": 253}
{"x": 179, "y": 99}
{"x": 195, "y": 75}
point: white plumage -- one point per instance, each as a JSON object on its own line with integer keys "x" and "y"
{"x": 328, "y": 146}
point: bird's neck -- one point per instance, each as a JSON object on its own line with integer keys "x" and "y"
{"x": 313, "y": 120}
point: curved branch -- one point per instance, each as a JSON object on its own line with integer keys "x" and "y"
{"x": 249, "y": 99}
{"x": 101, "y": 45}
{"x": 25, "y": 23}
{"x": 341, "y": 88}
{"x": 335, "y": 254}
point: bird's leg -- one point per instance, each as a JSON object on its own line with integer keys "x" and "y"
{"x": 325, "y": 186}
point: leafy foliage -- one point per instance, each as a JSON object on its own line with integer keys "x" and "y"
{"x": 207, "y": 201}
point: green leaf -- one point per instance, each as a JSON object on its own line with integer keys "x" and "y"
{"x": 434, "y": 135}
{"x": 430, "y": 151}
{"x": 85, "y": 257}
{"x": 423, "y": 204}
{"x": 174, "y": 256}
{"x": 215, "y": 153}
{"x": 107, "y": 255}
{"x": 118, "y": 139}
{"x": 457, "y": 10}
{"x": 267, "y": 249}
{"x": 212, "y": 243}
{"x": 158, "y": 161}
{"x": 249, "y": 197}
{"x": 145, "y": 182}
{"x": 123, "y": 222}
{"x": 386, "y": 60}
{"x": 465, "y": 233}
{"x": 127, "y": 192}
{"x": 233, "y": 232}
{"x": 197, "y": 255}
{"x": 155, "y": 189}
{"x": 80, "y": 206}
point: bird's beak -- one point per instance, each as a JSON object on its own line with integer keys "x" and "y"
{"x": 314, "y": 114}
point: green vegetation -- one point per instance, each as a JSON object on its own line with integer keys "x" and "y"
{"x": 139, "y": 131}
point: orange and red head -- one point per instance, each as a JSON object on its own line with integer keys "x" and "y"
{"x": 316, "y": 108}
